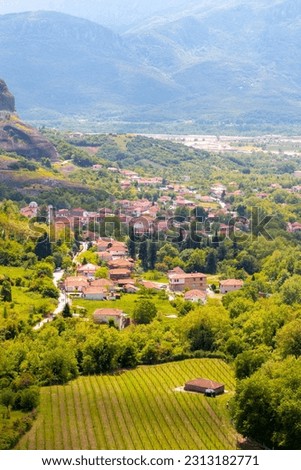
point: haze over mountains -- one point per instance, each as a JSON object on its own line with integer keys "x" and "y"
{"x": 155, "y": 66}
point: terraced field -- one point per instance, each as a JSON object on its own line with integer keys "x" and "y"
{"x": 139, "y": 409}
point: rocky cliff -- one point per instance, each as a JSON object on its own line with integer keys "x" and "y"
{"x": 7, "y": 100}
{"x": 18, "y": 137}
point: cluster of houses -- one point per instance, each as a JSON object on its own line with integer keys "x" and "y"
{"x": 120, "y": 268}
{"x": 86, "y": 285}
{"x": 130, "y": 177}
{"x": 193, "y": 285}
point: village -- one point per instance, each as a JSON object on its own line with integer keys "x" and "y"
{"x": 121, "y": 279}
{"x": 114, "y": 271}
{"x": 167, "y": 218}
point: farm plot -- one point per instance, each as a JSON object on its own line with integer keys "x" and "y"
{"x": 137, "y": 409}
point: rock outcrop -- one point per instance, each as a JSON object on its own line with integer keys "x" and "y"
{"x": 7, "y": 100}
{"x": 18, "y": 137}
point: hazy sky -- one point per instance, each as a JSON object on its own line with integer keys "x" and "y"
{"x": 108, "y": 12}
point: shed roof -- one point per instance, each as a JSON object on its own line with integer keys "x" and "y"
{"x": 205, "y": 383}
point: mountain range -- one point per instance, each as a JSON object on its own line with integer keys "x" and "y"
{"x": 179, "y": 66}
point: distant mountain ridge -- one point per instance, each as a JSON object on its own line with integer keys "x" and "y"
{"x": 115, "y": 14}
{"x": 227, "y": 63}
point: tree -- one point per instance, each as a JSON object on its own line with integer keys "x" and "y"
{"x": 152, "y": 254}
{"x": 128, "y": 355}
{"x": 66, "y": 311}
{"x": 131, "y": 243}
{"x": 102, "y": 273}
{"x": 7, "y": 397}
{"x": 182, "y": 212}
{"x": 43, "y": 269}
{"x": 144, "y": 312}
{"x": 43, "y": 247}
{"x": 289, "y": 338}
{"x": 248, "y": 262}
{"x": 6, "y": 293}
{"x": 266, "y": 406}
{"x": 48, "y": 289}
{"x": 167, "y": 250}
{"x": 211, "y": 262}
{"x": 150, "y": 353}
{"x": 196, "y": 262}
{"x": 58, "y": 366}
{"x": 100, "y": 352}
{"x": 249, "y": 361}
{"x": 252, "y": 409}
{"x": 27, "y": 399}
{"x": 143, "y": 255}
{"x": 291, "y": 290}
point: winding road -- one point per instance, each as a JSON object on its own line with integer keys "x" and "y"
{"x": 57, "y": 276}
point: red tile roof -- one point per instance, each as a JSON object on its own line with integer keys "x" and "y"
{"x": 191, "y": 294}
{"x": 187, "y": 276}
{"x": 232, "y": 282}
{"x": 205, "y": 383}
{"x": 108, "y": 312}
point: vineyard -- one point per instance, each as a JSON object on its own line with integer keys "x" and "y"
{"x": 140, "y": 409}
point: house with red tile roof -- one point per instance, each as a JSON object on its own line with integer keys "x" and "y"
{"x": 105, "y": 315}
{"x": 195, "y": 295}
{"x": 95, "y": 293}
{"x": 230, "y": 285}
{"x": 187, "y": 281}
{"x": 87, "y": 270}
{"x": 151, "y": 285}
{"x": 119, "y": 273}
{"x": 121, "y": 263}
{"x": 76, "y": 285}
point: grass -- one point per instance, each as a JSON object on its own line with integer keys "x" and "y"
{"x": 12, "y": 272}
{"x": 127, "y": 303}
{"x": 213, "y": 279}
{"x": 208, "y": 205}
{"x": 9, "y": 431}
{"x": 137, "y": 409}
{"x": 155, "y": 276}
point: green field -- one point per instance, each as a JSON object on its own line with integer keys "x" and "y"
{"x": 138, "y": 409}
{"x": 127, "y": 303}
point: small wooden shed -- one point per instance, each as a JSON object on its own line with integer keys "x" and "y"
{"x": 203, "y": 385}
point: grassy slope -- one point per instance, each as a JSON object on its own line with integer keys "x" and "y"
{"x": 22, "y": 301}
{"x": 137, "y": 409}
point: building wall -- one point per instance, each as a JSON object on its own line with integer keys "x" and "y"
{"x": 99, "y": 296}
{"x": 195, "y": 283}
{"x": 120, "y": 322}
{"x": 190, "y": 283}
{"x": 196, "y": 388}
{"x": 231, "y": 288}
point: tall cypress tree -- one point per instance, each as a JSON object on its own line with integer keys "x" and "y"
{"x": 152, "y": 254}
{"x": 66, "y": 311}
{"x": 131, "y": 243}
{"x": 211, "y": 263}
{"x": 143, "y": 254}
{"x": 43, "y": 247}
